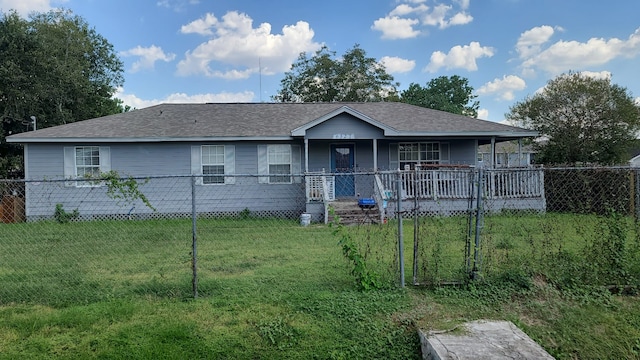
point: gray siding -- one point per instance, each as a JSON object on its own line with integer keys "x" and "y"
{"x": 319, "y": 155}
{"x": 44, "y": 161}
{"x": 170, "y": 195}
{"x": 347, "y": 125}
{"x": 462, "y": 152}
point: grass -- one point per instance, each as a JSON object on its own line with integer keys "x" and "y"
{"x": 272, "y": 289}
{"x": 267, "y": 289}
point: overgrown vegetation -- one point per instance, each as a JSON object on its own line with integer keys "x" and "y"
{"x": 62, "y": 216}
{"x": 366, "y": 279}
{"x": 124, "y": 188}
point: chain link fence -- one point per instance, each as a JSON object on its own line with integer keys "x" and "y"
{"x": 81, "y": 241}
{"x": 568, "y": 226}
{"x": 86, "y": 240}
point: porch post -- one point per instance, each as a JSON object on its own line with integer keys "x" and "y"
{"x": 520, "y": 152}
{"x": 493, "y": 152}
{"x": 306, "y": 155}
{"x": 375, "y": 155}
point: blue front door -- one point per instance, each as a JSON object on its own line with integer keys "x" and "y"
{"x": 342, "y": 164}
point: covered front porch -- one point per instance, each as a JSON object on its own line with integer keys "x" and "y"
{"x": 432, "y": 191}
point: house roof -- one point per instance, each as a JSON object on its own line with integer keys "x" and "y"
{"x": 260, "y": 121}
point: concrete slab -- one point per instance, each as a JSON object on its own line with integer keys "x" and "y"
{"x": 481, "y": 340}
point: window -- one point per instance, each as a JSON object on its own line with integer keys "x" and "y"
{"x": 86, "y": 162}
{"x": 279, "y": 164}
{"x": 279, "y": 161}
{"x": 213, "y": 164}
{"x": 411, "y": 154}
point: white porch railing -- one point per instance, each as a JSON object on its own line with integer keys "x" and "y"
{"x": 320, "y": 187}
{"x": 514, "y": 183}
{"x": 381, "y": 196}
{"x": 458, "y": 183}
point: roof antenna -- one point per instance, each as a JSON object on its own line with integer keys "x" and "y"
{"x": 260, "y": 76}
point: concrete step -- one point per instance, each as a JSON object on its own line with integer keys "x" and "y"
{"x": 350, "y": 213}
{"x": 481, "y": 340}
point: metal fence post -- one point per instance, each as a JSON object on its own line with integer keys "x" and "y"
{"x": 400, "y": 235}
{"x": 479, "y": 215}
{"x": 470, "y": 213}
{"x": 194, "y": 240}
{"x": 416, "y": 225}
{"x": 636, "y": 174}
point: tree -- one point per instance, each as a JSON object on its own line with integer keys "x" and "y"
{"x": 322, "y": 78}
{"x": 55, "y": 68}
{"x": 583, "y": 119}
{"x": 451, "y": 94}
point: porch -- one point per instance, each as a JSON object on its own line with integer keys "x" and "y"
{"x": 434, "y": 191}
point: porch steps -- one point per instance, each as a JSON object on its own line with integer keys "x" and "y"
{"x": 351, "y": 214}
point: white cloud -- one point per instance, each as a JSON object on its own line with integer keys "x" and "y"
{"x": 224, "y": 97}
{"x": 395, "y": 64}
{"x": 459, "y": 57}
{"x": 464, "y": 4}
{"x": 396, "y": 28}
{"x": 201, "y": 26}
{"x": 147, "y": 57}
{"x": 460, "y": 18}
{"x": 24, "y": 7}
{"x": 531, "y": 40}
{"x": 483, "y": 114}
{"x": 504, "y": 87}
{"x": 574, "y": 55}
{"x": 638, "y": 101}
{"x": 438, "y": 17}
{"x": 399, "y": 23}
{"x": 405, "y": 9}
{"x": 239, "y": 46}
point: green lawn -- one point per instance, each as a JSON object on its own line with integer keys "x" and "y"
{"x": 271, "y": 289}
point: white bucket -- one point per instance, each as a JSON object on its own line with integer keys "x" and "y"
{"x": 305, "y": 219}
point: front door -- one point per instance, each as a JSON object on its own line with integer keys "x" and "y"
{"x": 343, "y": 164}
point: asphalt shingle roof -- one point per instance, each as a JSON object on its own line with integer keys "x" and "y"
{"x": 172, "y": 121}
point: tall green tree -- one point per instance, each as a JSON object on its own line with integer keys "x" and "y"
{"x": 53, "y": 67}
{"x": 584, "y": 120}
{"x": 325, "y": 78}
{"x": 451, "y": 94}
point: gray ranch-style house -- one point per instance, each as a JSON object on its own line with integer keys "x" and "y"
{"x": 286, "y": 158}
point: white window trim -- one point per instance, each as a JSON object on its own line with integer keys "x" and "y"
{"x": 71, "y": 167}
{"x": 289, "y": 163}
{"x": 444, "y": 153}
{"x": 203, "y": 164}
{"x": 229, "y": 164}
{"x": 263, "y": 164}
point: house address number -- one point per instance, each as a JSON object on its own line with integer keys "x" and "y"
{"x": 344, "y": 136}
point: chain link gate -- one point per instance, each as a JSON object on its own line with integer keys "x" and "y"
{"x": 564, "y": 223}
{"x": 446, "y": 242}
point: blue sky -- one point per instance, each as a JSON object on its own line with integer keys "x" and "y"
{"x": 238, "y": 50}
